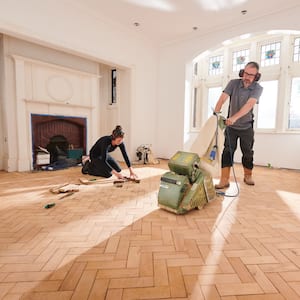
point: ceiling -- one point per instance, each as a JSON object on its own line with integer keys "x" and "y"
{"x": 165, "y": 21}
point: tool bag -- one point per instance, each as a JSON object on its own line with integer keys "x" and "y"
{"x": 185, "y": 163}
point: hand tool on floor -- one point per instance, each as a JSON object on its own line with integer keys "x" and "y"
{"x": 116, "y": 182}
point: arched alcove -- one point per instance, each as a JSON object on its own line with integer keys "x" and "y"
{"x": 277, "y": 115}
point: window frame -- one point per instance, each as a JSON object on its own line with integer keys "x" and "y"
{"x": 270, "y": 77}
{"x": 283, "y": 72}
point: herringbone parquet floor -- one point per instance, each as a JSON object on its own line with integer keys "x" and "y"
{"x": 104, "y": 242}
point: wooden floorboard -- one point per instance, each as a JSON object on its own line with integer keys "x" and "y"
{"x": 107, "y": 242}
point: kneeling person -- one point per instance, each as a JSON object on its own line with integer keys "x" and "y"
{"x": 101, "y": 163}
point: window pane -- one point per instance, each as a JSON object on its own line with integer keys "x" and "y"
{"x": 214, "y": 94}
{"x": 239, "y": 59}
{"x": 267, "y": 106}
{"x": 216, "y": 65}
{"x": 195, "y": 108}
{"x": 196, "y": 69}
{"x": 113, "y": 86}
{"x": 294, "y": 116}
{"x": 297, "y": 50}
{"x": 270, "y": 54}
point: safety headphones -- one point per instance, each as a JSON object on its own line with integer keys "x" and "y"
{"x": 252, "y": 64}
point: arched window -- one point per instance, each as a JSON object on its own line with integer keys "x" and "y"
{"x": 279, "y": 57}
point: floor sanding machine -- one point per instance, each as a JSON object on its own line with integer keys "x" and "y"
{"x": 186, "y": 186}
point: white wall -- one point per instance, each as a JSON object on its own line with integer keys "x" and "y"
{"x": 34, "y": 86}
{"x": 157, "y": 93}
{"x": 176, "y": 58}
{"x": 64, "y": 26}
{"x": 1, "y": 102}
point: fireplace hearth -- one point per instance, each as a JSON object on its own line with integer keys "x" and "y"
{"x": 64, "y": 137}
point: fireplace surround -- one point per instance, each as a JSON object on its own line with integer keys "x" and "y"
{"x": 60, "y": 135}
{"x": 50, "y": 100}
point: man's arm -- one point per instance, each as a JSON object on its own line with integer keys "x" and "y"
{"x": 243, "y": 111}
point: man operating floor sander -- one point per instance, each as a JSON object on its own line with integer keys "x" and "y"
{"x": 181, "y": 194}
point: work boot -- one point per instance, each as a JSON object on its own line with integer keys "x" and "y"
{"x": 224, "y": 180}
{"x": 248, "y": 176}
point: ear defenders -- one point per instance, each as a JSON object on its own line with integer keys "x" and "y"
{"x": 256, "y": 78}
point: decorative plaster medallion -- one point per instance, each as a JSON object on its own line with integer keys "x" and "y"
{"x": 59, "y": 88}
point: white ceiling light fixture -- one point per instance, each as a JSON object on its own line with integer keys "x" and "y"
{"x": 245, "y": 36}
{"x": 216, "y": 5}
{"x": 164, "y": 5}
{"x": 283, "y": 32}
{"x": 227, "y": 42}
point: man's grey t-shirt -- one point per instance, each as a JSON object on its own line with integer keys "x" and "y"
{"x": 239, "y": 95}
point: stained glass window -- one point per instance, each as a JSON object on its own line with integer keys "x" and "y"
{"x": 297, "y": 50}
{"x": 216, "y": 65}
{"x": 270, "y": 54}
{"x": 239, "y": 59}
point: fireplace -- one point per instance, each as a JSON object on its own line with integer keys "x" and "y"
{"x": 63, "y": 137}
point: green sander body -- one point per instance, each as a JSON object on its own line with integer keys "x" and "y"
{"x": 186, "y": 186}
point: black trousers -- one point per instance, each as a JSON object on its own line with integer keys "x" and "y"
{"x": 98, "y": 167}
{"x": 246, "y": 138}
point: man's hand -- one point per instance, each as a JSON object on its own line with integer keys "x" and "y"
{"x": 230, "y": 121}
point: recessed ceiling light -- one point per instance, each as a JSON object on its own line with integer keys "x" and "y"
{"x": 195, "y": 28}
{"x": 136, "y": 24}
{"x": 244, "y": 11}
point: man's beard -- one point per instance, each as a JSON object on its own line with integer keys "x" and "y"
{"x": 246, "y": 82}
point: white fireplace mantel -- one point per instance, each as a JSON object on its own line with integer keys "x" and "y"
{"x": 44, "y": 88}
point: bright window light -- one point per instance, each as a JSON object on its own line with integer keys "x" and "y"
{"x": 213, "y": 95}
{"x": 297, "y": 49}
{"x": 268, "y": 105}
{"x": 294, "y": 113}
